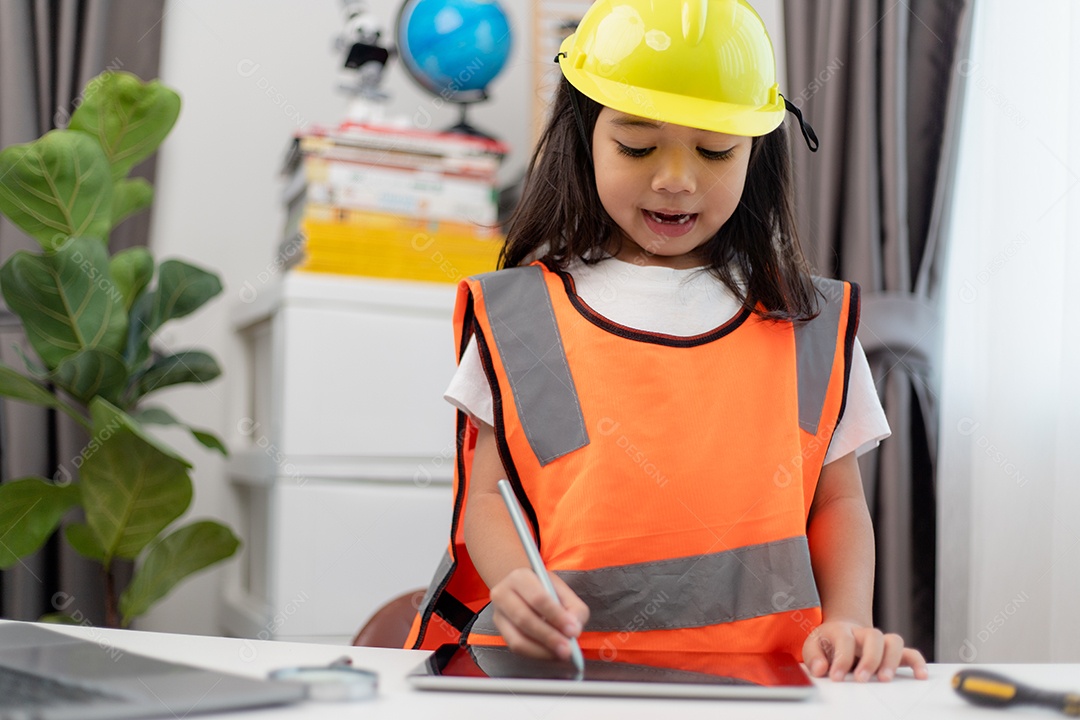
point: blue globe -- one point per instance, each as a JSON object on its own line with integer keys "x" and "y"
{"x": 454, "y": 48}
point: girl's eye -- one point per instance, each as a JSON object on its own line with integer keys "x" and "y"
{"x": 716, "y": 154}
{"x": 633, "y": 152}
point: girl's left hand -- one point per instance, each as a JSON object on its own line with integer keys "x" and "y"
{"x": 834, "y": 646}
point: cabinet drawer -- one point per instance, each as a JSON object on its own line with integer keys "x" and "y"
{"x": 366, "y": 384}
{"x": 344, "y": 549}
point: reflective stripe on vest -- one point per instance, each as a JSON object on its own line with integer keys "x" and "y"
{"x": 692, "y": 592}
{"x": 527, "y": 338}
{"x": 442, "y": 574}
{"x": 815, "y": 343}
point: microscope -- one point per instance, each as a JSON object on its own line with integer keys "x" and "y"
{"x": 365, "y": 58}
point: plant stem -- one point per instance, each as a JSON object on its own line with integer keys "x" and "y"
{"x": 111, "y": 619}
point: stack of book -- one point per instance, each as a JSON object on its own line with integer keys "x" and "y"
{"x": 392, "y": 202}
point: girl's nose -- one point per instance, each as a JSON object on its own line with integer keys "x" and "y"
{"x": 675, "y": 174}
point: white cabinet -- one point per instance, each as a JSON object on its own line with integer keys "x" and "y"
{"x": 344, "y": 485}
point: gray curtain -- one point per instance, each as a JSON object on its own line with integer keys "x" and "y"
{"x": 49, "y": 50}
{"x": 878, "y": 80}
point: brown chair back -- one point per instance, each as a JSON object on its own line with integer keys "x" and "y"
{"x": 389, "y": 626}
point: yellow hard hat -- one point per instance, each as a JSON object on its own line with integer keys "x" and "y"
{"x": 706, "y": 64}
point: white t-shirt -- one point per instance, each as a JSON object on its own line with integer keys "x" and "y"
{"x": 682, "y": 303}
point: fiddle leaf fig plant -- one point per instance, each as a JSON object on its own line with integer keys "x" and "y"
{"x": 90, "y": 320}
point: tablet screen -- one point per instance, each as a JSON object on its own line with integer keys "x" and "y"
{"x": 652, "y": 673}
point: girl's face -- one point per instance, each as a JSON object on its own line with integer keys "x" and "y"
{"x": 668, "y": 188}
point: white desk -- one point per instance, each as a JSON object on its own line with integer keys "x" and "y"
{"x": 902, "y": 699}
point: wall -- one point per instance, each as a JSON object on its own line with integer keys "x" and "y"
{"x": 251, "y": 73}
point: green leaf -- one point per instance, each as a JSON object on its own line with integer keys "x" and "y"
{"x": 209, "y": 440}
{"x": 66, "y": 300}
{"x": 92, "y": 372}
{"x": 17, "y": 386}
{"x": 137, "y": 351}
{"x": 129, "y": 118}
{"x": 183, "y": 552}
{"x": 30, "y": 510}
{"x": 133, "y": 486}
{"x": 155, "y": 415}
{"x": 83, "y": 541}
{"x": 57, "y": 187}
{"x": 129, "y": 197}
{"x": 181, "y": 290}
{"x": 131, "y": 271}
{"x": 192, "y": 366}
{"x": 160, "y": 416}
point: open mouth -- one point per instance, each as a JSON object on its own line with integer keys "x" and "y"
{"x": 679, "y": 219}
{"x": 670, "y": 225}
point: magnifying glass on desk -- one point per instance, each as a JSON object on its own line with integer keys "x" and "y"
{"x": 336, "y": 682}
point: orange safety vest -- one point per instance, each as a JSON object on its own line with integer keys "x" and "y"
{"x": 668, "y": 479}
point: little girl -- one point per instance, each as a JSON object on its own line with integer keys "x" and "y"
{"x": 677, "y": 403}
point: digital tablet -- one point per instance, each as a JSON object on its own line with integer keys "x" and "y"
{"x": 613, "y": 672}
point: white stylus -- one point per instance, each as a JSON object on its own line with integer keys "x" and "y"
{"x": 536, "y": 563}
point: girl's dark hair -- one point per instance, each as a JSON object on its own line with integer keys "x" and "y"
{"x": 560, "y": 216}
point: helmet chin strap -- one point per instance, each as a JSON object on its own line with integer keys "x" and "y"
{"x": 575, "y": 103}
{"x": 807, "y": 130}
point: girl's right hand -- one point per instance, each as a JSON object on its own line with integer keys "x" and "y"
{"x": 531, "y": 621}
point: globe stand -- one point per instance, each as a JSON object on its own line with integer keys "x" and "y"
{"x": 463, "y": 127}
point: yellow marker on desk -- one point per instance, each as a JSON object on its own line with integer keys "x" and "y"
{"x": 992, "y": 690}
{"x": 537, "y": 563}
